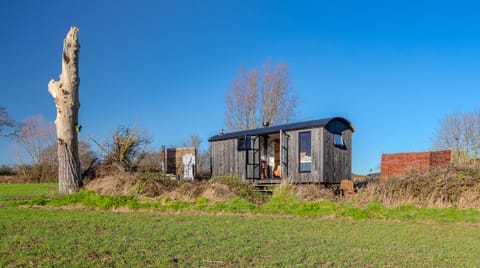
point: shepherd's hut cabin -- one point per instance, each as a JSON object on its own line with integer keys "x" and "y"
{"x": 317, "y": 151}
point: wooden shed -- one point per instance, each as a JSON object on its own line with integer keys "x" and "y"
{"x": 316, "y": 151}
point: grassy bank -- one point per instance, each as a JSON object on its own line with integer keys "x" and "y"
{"x": 283, "y": 202}
{"x": 42, "y": 237}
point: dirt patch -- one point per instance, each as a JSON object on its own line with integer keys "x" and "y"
{"x": 112, "y": 185}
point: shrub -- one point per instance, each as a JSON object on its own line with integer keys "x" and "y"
{"x": 7, "y": 171}
{"x": 451, "y": 187}
{"x": 38, "y": 173}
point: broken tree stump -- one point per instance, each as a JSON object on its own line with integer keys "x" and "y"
{"x": 65, "y": 96}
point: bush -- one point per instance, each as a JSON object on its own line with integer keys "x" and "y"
{"x": 7, "y": 171}
{"x": 38, "y": 173}
{"x": 126, "y": 148}
{"x": 451, "y": 187}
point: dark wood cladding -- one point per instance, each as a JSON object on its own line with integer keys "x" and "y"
{"x": 175, "y": 160}
{"x": 337, "y": 160}
{"x": 330, "y": 163}
{"x": 315, "y": 175}
{"x": 226, "y": 160}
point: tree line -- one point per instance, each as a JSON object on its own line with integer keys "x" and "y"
{"x": 459, "y": 131}
{"x": 126, "y": 149}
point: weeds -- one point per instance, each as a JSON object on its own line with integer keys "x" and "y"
{"x": 452, "y": 187}
{"x": 283, "y": 202}
{"x": 239, "y": 187}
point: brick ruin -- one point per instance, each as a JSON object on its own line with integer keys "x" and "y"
{"x": 402, "y": 163}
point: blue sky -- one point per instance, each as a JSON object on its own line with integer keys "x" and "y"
{"x": 393, "y": 68}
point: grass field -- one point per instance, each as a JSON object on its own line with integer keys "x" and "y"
{"x": 26, "y": 191}
{"x": 61, "y": 237}
{"x": 43, "y": 237}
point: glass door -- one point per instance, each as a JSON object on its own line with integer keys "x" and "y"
{"x": 284, "y": 139}
{"x": 252, "y": 157}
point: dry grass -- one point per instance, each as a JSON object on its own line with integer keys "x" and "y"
{"x": 312, "y": 192}
{"x": 217, "y": 189}
{"x": 186, "y": 191}
{"x": 158, "y": 186}
{"x": 455, "y": 186}
{"x": 127, "y": 184}
{"x": 218, "y": 192}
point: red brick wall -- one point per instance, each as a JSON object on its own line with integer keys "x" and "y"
{"x": 401, "y": 163}
{"x": 440, "y": 158}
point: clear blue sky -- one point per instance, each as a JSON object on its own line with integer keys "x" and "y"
{"x": 393, "y": 68}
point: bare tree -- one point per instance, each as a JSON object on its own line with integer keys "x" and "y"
{"x": 460, "y": 132}
{"x": 126, "y": 148}
{"x": 242, "y": 101}
{"x": 49, "y": 156}
{"x": 35, "y": 136}
{"x": 260, "y": 95}
{"x": 65, "y": 96}
{"x": 7, "y": 125}
{"x": 152, "y": 162}
{"x": 194, "y": 141}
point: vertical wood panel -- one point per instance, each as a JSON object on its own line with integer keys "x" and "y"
{"x": 338, "y": 161}
{"x": 226, "y": 159}
{"x": 315, "y": 175}
{"x": 330, "y": 164}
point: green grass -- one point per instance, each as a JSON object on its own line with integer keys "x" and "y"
{"x": 282, "y": 203}
{"x": 44, "y": 237}
{"x": 26, "y": 191}
{"x": 283, "y": 232}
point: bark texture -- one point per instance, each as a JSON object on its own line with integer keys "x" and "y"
{"x": 65, "y": 96}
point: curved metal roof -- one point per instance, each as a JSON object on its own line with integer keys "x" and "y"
{"x": 277, "y": 128}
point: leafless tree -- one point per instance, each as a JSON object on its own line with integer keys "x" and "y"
{"x": 35, "y": 136}
{"x": 126, "y": 148}
{"x": 194, "y": 141}
{"x": 460, "y": 132}
{"x": 49, "y": 156}
{"x": 260, "y": 95}
{"x": 151, "y": 162}
{"x": 242, "y": 101}
{"x": 8, "y": 126}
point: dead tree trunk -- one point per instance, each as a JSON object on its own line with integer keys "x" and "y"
{"x": 65, "y": 96}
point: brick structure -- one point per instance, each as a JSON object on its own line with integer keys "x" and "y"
{"x": 401, "y": 163}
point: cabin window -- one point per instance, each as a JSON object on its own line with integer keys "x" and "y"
{"x": 305, "y": 151}
{"x": 244, "y": 143}
{"x": 338, "y": 140}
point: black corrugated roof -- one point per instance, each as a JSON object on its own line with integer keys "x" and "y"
{"x": 277, "y": 128}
